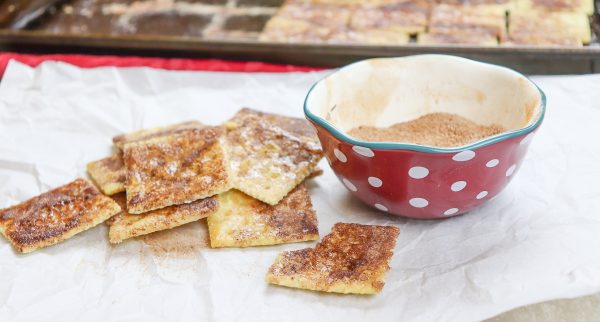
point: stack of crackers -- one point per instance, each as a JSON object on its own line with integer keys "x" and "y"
{"x": 245, "y": 176}
{"x": 399, "y": 22}
{"x": 242, "y": 175}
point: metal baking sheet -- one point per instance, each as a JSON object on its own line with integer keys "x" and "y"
{"x": 229, "y": 29}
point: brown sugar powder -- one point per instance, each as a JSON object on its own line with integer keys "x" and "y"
{"x": 434, "y": 129}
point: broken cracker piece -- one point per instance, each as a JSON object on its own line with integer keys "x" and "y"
{"x": 55, "y": 216}
{"x": 125, "y": 225}
{"x": 146, "y": 134}
{"x": 109, "y": 174}
{"x": 317, "y": 172}
{"x": 270, "y": 154}
{"x": 243, "y": 221}
{"x": 353, "y": 258}
{"x": 175, "y": 169}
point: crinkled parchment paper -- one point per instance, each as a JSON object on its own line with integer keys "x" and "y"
{"x": 538, "y": 240}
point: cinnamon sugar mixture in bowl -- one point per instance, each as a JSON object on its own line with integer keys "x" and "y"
{"x": 433, "y": 129}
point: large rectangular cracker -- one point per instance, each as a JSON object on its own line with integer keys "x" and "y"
{"x": 175, "y": 169}
{"x": 146, "y": 134}
{"x": 353, "y": 258}
{"x": 548, "y": 28}
{"x": 125, "y": 225}
{"x": 55, "y": 216}
{"x": 242, "y": 221}
{"x": 109, "y": 174}
{"x": 270, "y": 154}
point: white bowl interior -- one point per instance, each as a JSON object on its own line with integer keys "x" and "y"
{"x": 382, "y": 92}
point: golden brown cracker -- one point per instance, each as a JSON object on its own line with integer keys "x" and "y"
{"x": 55, "y": 216}
{"x": 242, "y": 221}
{"x": 270, "y": 154}
{"x": 353, "y": 258}
{"x": 175, "y": 169}
{"x": 125, "y": 225}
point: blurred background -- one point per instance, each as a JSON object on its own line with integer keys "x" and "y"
{"x": 533, "y": 36}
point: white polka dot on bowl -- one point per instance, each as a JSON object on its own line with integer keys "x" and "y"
{"x": 375, "y": 182}
{"x": 492, "y": 163}
{"x": 465, "y": 155}
{"x": 365, "y": 152}
{"x": 458, "y": 186}
{"x": 381, "y": 207}
{"x": 511, "y": 170}
{"x": 418, "y": 172}
{"x": 482, "y": 195}
{"x": 418, "y": 202}
{"x": 450, "y": 211}
{"x": 349, "y": 185}
{"x": 340, "y": 155}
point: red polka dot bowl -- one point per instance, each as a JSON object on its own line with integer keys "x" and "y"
{"x": 419, "y": 181}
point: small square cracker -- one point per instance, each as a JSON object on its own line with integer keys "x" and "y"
{"x": 175, "y": 169}
{"x": 55, "y": 216}
{"x": 146, "y": 134}
{"x": 270, "y": 154}
{"x": 242, "y": 221}
{"x": 125, "y": 225}
{"x": 353, "y": 258}
{"x": 109, "y": 174}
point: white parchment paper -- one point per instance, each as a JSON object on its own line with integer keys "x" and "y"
{"x": 538, "y": 240}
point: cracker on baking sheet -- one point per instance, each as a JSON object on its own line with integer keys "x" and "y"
{"x": 548, "y": 28}
{"x": 109, "y": 174}
{"x": 474, "y": 25}
{"x": 175, "y": 169}
{"x": 573, "y": 6}
{"x": 306, "y": 21}
{"x": 125, "y": 225}
{"x": 408, "y": 17}
{"x": 331, "y": 15}
{"x": 146, "y": 134}
{"x": 242, "y": 221}
{"x": 353, "y": 258}
{"x": 270, "y": 154}
{"x": 55, "y": 216}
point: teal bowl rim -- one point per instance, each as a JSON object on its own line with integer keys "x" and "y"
{"x": 424, "y": 148}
